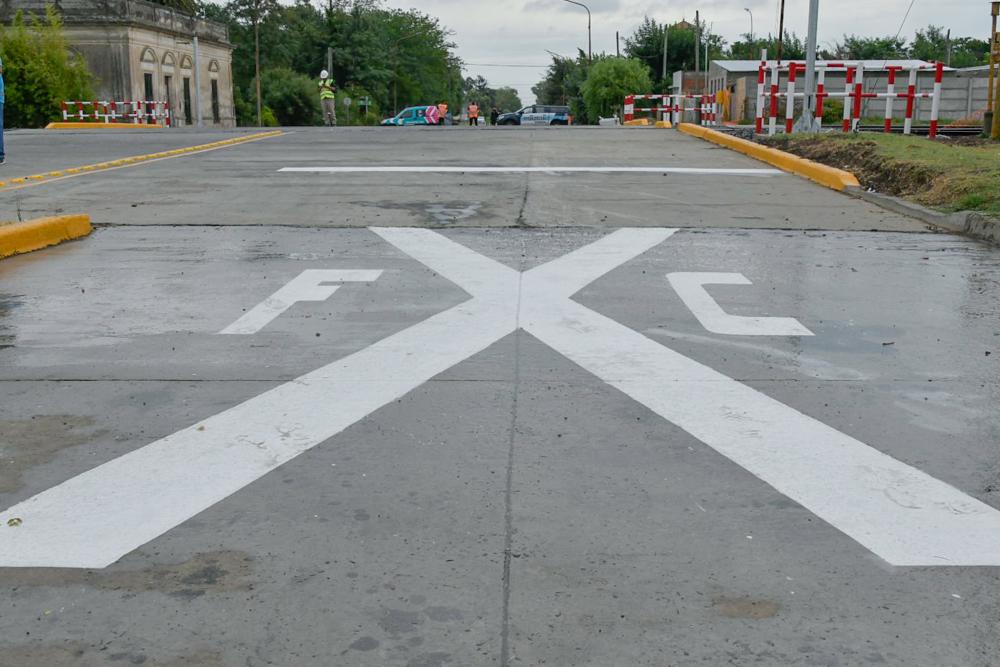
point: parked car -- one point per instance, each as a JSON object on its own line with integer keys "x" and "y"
{"x": 536, "y": 114}
{"x": 415, "y": 116}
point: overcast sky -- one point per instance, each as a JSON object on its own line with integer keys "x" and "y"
{"x": 518, "y": 32}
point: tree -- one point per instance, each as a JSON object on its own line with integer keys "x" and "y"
{"x": 40, "y": 71}
{"x": 291, "y": 97}
{"x": 855, "y": 47}
{"x": 969, "y": 52}
{"x": 930, "y": 44}
{"x": 562, "y": 84}
{"x": 478, "y": 90}
{"x": 506, "y": 99}
{"x": 400, "y": 58}
{"x": 646, "y": 45}
{"x": 609, "y": 81}
{"x": 254, "y": 12}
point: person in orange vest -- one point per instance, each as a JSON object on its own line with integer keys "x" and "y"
{"x": 473, "y": 114}
{"x": 442, "y": 112}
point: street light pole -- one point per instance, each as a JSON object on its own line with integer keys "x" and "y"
{"x": 590, "y": 53}
{"x": 747, "y": 10}
{"x": 807, "y": 123}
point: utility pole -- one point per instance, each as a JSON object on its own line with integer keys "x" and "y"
{"x": 807, "y": 123}
{"x": 781, "y": 29}
{"x": 697, "y": 44}
{"x": 256, "y": 62}
{"x": 947, "y": 48}
{"x": 666, "y": 33}
{"x": 329, "y": 60}
{"x": 618, "y": 46}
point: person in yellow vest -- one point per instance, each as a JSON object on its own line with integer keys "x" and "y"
{"x": 473, "y": 114}
{"x": 442, "y": 112}
{"x": 328, "y": 98}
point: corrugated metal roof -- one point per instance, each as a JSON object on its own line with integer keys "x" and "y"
{"x": 750, "y": 66}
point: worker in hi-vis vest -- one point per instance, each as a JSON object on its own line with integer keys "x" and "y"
{"x": 328, "y": 98}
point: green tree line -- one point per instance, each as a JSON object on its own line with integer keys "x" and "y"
{"x": 395, "y": 58}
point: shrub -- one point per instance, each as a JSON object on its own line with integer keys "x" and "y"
{"x": 609, "y": 81}
{"x": 40, "y": 72}
{"x": 293, "y": 97}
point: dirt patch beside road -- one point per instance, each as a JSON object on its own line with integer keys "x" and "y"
{"x": 948, "y": 174}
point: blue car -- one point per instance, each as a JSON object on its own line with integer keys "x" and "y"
{"x": 415, "y": 116}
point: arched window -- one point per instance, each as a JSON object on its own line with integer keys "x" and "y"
{"x": 186, "y": 62}
{"x": 148, "y": 56}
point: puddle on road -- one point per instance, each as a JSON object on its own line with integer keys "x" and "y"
{"x": 26, "y": 443}
{"x": 209, "y": 572}
{"x": 8, "y": 302}
{"x": 78, "y": 654}
{"x": 745, "y": 607}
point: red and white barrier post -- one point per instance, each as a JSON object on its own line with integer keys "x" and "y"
{"x": 773, "y": 116}
{"x": 820, "y": 94}
{"x": 890, "y": 96}
{"x": 911, "y": 94}
{"x": 629, "y": 108}
{"x": 759, "y": 119}
{"x": 936, "y": 101}
{"x": 859, "y": 95}
{"x": 790, "y": 99}
{"x": 848, "y": 94}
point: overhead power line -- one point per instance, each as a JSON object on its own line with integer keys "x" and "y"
{"x": 504, "y": 65}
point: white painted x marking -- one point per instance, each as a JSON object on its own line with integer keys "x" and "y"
{"x": 898, "y": 512}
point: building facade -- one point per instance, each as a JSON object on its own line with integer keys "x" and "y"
{"x": 138, "y": 50}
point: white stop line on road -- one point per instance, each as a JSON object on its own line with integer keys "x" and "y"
{"x": 432, "y": 169}
{"x": 900, "y": 513}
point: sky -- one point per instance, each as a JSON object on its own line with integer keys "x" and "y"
{"x": 520, "y": 32}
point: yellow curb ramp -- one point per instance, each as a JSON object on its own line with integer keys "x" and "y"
{"x": 39, "y": 179}
{"x": 64, "y": 125}
{"x": 831, "y": 177}
{"x": 20, "y": 237}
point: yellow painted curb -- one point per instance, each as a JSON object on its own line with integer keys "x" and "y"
{"x": 831, "y": 177}
{"x": 664, "y": 124}
{"x": 64, "y": 125}
{"x": 638, "y": 122}
{"x": 29, "y": 235}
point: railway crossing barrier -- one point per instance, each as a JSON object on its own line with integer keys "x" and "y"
{"x": 704, "y": 108}
{"x": 134, "y": 112}
{"x": 769, "y": 95}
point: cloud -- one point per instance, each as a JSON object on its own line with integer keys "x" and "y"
{"x": 492, "y": 32}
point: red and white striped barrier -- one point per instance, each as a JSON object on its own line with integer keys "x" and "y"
{"x": 134, "y": 112}
{"x": 673, "y": 108}
{"x": 853, "y": 95}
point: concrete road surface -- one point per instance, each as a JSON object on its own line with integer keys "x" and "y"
{"x": 449, "y": 397}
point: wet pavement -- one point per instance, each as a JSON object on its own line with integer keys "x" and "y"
{"x": 527, "y": 503}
